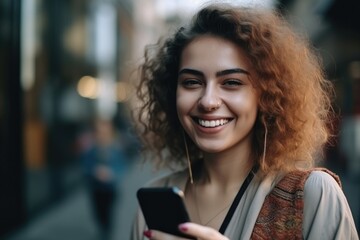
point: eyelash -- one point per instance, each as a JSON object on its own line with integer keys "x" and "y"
{"x": 194, "y": 83}
{"x": 190, "y": 83}
{"x": 233, "y": 82}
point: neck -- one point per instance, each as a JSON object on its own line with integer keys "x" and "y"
{"x": 226, "y": 169}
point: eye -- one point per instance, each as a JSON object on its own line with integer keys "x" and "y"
{"x": 232, "y": 83}
{"x": 191, "y": 83}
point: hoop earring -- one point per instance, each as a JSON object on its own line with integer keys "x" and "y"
{"x": 265, "y": 144}
{"x": 188, "y": 160}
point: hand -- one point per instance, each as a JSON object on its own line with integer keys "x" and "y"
{"x": 198, "y": 231}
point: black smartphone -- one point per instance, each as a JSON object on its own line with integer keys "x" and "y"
{"x": 164, "y": 209}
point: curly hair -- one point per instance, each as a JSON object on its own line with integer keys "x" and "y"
{"x": 295, "y": 98}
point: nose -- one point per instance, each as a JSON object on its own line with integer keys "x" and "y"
{"x": 210, "y": 99}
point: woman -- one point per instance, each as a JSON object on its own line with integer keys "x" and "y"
{"x": 242, "y": 100}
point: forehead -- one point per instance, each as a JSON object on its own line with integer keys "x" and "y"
{"x": 211, "y": 52}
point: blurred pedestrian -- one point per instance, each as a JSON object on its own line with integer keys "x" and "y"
{"x": 104, "y": 163}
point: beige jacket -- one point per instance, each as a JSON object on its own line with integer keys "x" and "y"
{"x": 326, "y": 211}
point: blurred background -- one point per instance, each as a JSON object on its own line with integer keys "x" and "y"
{"x": 67, "y": 69}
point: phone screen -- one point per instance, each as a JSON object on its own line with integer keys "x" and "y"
{"x": 163, "y": 209}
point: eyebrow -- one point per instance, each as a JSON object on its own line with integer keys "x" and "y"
{"x": 231, "y": 71}
{"x": 218, "y": 74}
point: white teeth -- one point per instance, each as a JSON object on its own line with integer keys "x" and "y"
{"x": 212, "y": 123}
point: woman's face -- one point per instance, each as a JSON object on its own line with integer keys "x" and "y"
{"x": 215, "y": 99}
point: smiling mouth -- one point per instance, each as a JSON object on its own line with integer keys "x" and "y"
{"x": 212, "y": 123}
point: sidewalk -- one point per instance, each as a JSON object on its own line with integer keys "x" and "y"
{"x": 71, "y": 219}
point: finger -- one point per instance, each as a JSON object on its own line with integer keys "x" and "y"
{"x": 201, "y": 232}
{"x": 158, "y": 235}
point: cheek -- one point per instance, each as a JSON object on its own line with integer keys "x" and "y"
{"x": 184, "y": 102}
{"x": 181, "y": 110}
{"x": 244, "y": 104}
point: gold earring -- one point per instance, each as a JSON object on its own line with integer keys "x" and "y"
{"x": 188, "y": 160}
{"x": 265, "y": 144}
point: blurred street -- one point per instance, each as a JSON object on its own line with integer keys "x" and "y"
{"x": 71, "y": 218}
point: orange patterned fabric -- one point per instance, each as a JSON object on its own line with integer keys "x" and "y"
{"x": 282, "y": 212}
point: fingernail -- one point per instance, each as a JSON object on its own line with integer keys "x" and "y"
{"x": 147, "y": 233}
{"x": 183, "y": 227}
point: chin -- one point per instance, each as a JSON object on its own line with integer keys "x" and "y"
{"x": 209, "y": 149}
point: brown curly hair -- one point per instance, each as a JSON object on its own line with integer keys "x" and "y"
{"x": 295, "y": 98}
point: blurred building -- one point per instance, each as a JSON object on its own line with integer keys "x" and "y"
{"x": 63, "y": 63}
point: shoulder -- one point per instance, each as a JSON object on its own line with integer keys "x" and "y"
{"x": 326, "y": 210}
{"x": 324, "y": 199}
{"x": 323, "y": 187}
{"x": 322, "y": 182}
{"x": 307, "y": 180}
